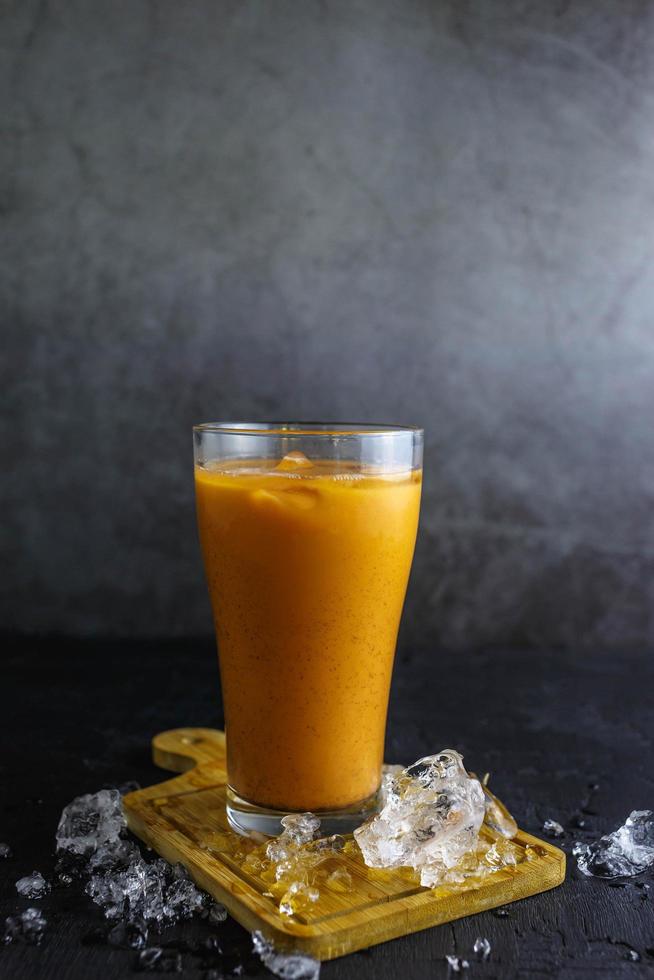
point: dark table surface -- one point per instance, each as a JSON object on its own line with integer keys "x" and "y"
{"x": 77, "y": 716}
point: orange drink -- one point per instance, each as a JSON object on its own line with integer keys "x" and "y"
{"x": 307, "y": 560}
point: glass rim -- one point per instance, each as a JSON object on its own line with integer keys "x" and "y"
{"x": 307, "y": 428}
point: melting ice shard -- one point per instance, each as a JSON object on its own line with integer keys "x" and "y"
{"x": 456, "y": 964}
{"x": 627, "y": 851}
{"x": 90, "y": 821}
{"x": 154, "y": 959}
{"x": 32, "y": 886}
{"x": 288, "y": 966}
{"x": 294, "y": 461}
{"x": 482, "y": 948}
{"x": 497, "y": 816}
{"x": 217, "y": 913}
{"x": 553, "y": 829}
{"x": 430, "y": 820}
{"x": 299, "y": 828}
{"x": 28, "y": 927}
{"x": 128, "y": 935}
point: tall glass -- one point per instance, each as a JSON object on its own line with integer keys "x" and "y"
{"x": 307, "y": 532}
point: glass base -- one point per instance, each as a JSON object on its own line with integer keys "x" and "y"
{"x": 255, "y": 821}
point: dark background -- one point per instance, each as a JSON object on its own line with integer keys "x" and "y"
{"x": 437, "y": 213}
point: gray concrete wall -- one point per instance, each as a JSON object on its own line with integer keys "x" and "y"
{"x": 440, "y": 213}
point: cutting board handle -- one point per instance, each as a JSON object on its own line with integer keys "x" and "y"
{"x": 181, "y": 749}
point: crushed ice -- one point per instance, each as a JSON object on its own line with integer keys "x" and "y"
{"x": 90, "y": 821}
{"x": 157, "y": 892}
{"x": 288, "y": 966}
{"x": 553, "y": 829}
{"x": 128, "y": 935}
{"x": 340, "y": 880}
{"x": 32, "y": 886}
{"x": 27, "y": 927}
{"x": 121, "y": 882}
{"x": 293, "y": 461}
{"x": 155, "y": 959}
{"x": 294, "y": 866}
{"x": 628, "y": 851}
{"x": 482, "y": 948}
{"x": 437, "y": 821}
{"x": 456, "y": 963}
{"x": 431, "y": 821}
{"x": 496, "y": 816}
{"x": 217, "y": 913}
{"x": 296, "y": 896}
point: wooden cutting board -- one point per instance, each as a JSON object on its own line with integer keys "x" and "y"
{"x": 184, "y": 820}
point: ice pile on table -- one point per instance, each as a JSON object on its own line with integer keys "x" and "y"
{"x": 121, "y": 881}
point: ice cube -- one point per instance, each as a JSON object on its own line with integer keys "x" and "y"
{"x": 389, "y": 775}
{"x": 183, "y": 899}
{"x": 302, "y": 498}
{"x": 287, "y": 862}
{"x": 128, "y": 935}
{"x": 89, "y": 821}
{"x": 288, "y": 966}
{"x": 294, "y": 461}
{"x": 27, "y": 927}
{"x": 626, "y": 852}
{"x": 497, "y": 816}
{"x": 32, "y": 886}
{"x": 553, "y": 829}
{"x": 456, "y": 964}
{"x": 148, "y": 958}
{"x": 340, "y": 880}
{"x": 482, "y": 948}
{"x": 430, "y": 820}
{"x": 114, "y": 854}
{"x": 154, "y": 959}
{"x": 5, "y": 851}
{"x": 269, "y": 502}
{"x": 335, "y": 843}
{"x": 217, "y": 913}
{"x": 300, "y": 828}
{"x": 71, "y": 865}
{"x": 298, "y": 896}
{"x": 108, "y": 894}
{"x": 279, "y": 849}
